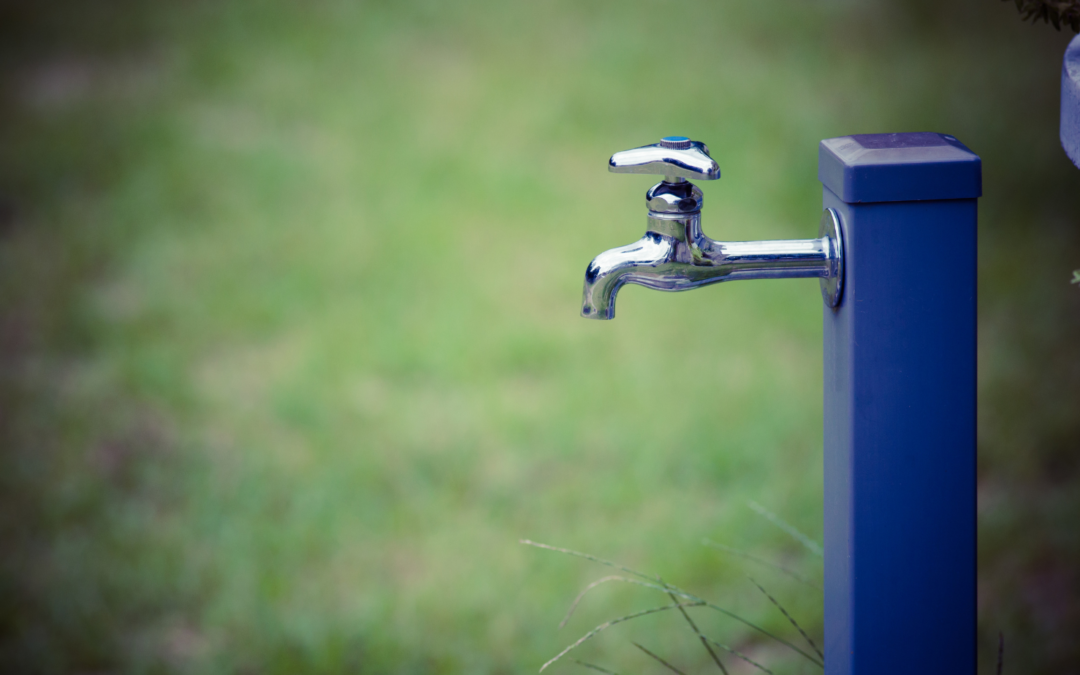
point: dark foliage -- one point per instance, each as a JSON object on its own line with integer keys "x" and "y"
{"x": 1057, "y": 12}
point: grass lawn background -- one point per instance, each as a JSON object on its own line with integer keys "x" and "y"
{"x": 291, "y": 354}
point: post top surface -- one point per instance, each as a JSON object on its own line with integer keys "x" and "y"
{"x": 899, "y": 167}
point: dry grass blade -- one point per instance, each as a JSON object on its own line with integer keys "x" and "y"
{"x": 744, "y": 657}
{"x": 737, "y": 653}
{"x": 693, "y": 626}
{"x": 669, "y": 588}
{"x": 609, "y": 624}
{"x": 789, "y": 617}
{"x": 662, "y": 661}
{"x": 764, "y": 632}
{"x": 776, "y": 520}
{"x": 604, "y": 580}
{"x": 579, "y": 554}
{"x": 594, "y": 667}
{"x": 761, "y": 561}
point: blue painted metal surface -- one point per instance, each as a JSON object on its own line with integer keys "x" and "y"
{"x": 1070, "y": 101}
{"x": 900, "y": 407}
{"x": 899, "y": 167}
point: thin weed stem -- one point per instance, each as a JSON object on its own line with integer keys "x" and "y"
{"x": 604, "y": 580}
{"x": 662, "y": 661}
{"x": 789, "y": 617}
{"x": 609, "y": 624}
{"x": 594, "y": 667}
{"x": 715, "y": 658}
{"x": 761, "y": 630}
{"x": 742, "y": 656}
{"x": 579, "y": 554}
{"x": 761, "y": 561}
{"x": 695, "y": 601}
{"x": 736, "y": 652}
{"x": 806, "y": 541}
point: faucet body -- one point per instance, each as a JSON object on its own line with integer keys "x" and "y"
{"x": 675, "y": 255}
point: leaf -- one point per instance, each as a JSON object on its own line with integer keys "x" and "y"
{"x": 1055, "y": 12}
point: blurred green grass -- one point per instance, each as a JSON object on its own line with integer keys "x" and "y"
{"x": 292, "y": 354}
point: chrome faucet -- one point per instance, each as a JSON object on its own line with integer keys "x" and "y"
{"x": 674, "y": 254}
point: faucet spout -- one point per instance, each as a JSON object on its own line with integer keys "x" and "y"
{"x": 674, "y": 255}
{"x": 650, "y": 261}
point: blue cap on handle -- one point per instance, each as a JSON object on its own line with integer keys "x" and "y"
{"x": 675, "y": 142}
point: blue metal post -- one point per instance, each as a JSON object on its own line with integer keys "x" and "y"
{"x": 900, "y": 407}
{"x": 1070, "y": 101}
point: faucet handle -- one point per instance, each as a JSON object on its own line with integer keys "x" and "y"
{"x": 675, "y": 158}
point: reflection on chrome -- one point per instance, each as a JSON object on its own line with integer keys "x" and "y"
{"x": 674, "y": 254}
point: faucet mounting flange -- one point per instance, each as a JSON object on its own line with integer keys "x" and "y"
{"x": 832, "y": 282}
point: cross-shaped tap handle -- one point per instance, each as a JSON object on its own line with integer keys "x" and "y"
{"x": 676, "y": 158}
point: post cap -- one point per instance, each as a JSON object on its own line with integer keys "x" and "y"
{"x": 899, "y": 167}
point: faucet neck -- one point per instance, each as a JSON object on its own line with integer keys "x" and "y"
{"x": 681, "y": 198}
{"x": 680, "y": 227}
